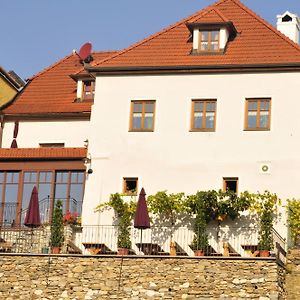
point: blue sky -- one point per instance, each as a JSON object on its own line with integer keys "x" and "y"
{"x": 36, "y": 33}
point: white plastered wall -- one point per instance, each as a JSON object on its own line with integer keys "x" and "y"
{"x": 72, "y": 133}
{"x": 173, "y": 158}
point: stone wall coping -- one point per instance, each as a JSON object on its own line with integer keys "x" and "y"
{"x": 142, "y": 256}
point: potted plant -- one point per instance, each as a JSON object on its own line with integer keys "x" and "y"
{"x": 57, "y": 228}
{"x": 124, "y": 212}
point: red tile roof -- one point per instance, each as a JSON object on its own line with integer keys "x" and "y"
{"x": 42, "y": 153}
{"x": 53, "y": 90}
{"x": 257, "y": 42}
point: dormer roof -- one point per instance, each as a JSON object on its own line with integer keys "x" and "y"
{"x": 257, "y": 44}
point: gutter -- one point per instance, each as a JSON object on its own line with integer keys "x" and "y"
{"x": 196, "y": 68}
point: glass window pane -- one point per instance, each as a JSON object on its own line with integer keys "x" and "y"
{"x": 252, "y": 105}
{"x": 252, "y": 119}
{"x": 149, "y": 107}
{"x": 198, "y": 117}
{"x": 27, "y": 190}
{"x": 62, "y": 177}
{"x": 204, "y": 36}
{"x": 12, "y": 177}
{"x": 214, "y": 45}
{"x": 44, "y": 191}
{"x": 76, "y": 194}
{"x": 264, "y": 119}
{"x": 138, "y": 107}
{"x": 1, "y": 177}
{"x": 210, "y": 120}
{"x": 198, "y": 106}
{"x": 137, "y": 121}
{"x": 215, "y": 35}
{"x": 11, "y": 193}
{"x": 148, "y": 121}
{"x": 49, "y": 177}
{"x": 204, "y": 46}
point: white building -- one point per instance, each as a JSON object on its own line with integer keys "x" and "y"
{"x": 208, "y": 103}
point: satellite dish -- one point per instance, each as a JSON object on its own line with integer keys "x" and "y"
{"x": 85, "y": 52}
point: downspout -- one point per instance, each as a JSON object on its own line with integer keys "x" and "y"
{"x": 1, "y": 128}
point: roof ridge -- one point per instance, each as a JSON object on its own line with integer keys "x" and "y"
{"x": 216, "y": 11}
{"x": 52, "y": 66}
{"x": 148, "y": 38}
{"x": 264, "y": 22}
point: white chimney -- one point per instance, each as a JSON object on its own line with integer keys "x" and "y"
{"x": 289, "y": 25}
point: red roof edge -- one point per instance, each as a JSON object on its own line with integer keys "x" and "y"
{"x": 42, "y": 153}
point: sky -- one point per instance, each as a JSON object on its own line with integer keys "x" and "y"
{"x": 37, "y": 33}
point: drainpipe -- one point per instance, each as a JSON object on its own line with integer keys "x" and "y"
{"x": 1, "y": 128}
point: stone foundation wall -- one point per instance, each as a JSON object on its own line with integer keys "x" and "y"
{"x": 293, "y": 274}
{"x": 88, "y": 277}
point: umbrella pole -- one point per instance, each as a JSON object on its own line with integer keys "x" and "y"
{"x": 141, "y": 239}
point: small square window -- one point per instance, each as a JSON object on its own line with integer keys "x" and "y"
{"x": 230, "y": 184}
{"x": 209, "y": 41}
{"x": 258, "y": 112}
{"x": 203, "y": 115}
{"x": 130, "y": 185}
{"x": 142, "y": 115}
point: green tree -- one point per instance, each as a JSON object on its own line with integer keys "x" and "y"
{"x": 57, "y": 226}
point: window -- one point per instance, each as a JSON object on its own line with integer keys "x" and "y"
{"x": 203, "y": 115}
{"x": 230, "y": 184}
{"x": 9, "y": 188}
{"x": 257, "y": 114}
{"x": 142, "y": 115}
{"x": 16, "y": 188}
{"x": 209, "y": 40}
{"x": 88, "y": 90}
{"x": 130, "y": 186}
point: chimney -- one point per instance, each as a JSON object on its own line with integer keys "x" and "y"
{"x": 289, "y": 25}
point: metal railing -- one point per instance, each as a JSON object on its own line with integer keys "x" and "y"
{"x": 11, "y": 215}
{"x": 227, "y": 241}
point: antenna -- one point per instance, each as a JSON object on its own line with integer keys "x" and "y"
{"x": 85, "y": 52}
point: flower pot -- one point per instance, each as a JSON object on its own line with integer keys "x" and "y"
{"x": 264, "y": 253}
{"x": 45, "y": 250}
{"x": 123, "y": 251}
{"x": 199, "y": 252}
{"x": 173, "y": 249}
{"x": 221, "y": 218}
{"x": 55, "y": 250}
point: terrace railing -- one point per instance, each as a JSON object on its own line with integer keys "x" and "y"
{"x": 232, "y": 242}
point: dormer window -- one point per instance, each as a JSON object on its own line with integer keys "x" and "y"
{"x": 85, "y": 90}
{"x": 209, "y": 40}
{"x": 88, "y": 90}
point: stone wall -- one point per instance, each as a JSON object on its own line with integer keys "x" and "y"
{"x": 293, "y": 274}
{"x": 90, "y": 277}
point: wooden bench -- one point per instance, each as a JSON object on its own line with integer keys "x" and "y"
{"x": 251, "y": 250}
{"x": 151, "y": 249}
{"x": 97, "y": 248}
{"x": 5, "y": 246}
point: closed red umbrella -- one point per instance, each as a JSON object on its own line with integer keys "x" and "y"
{"x": 141, "y": 218}
{"x": 32, "y": 218}
{"x": 16, "y": 130}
